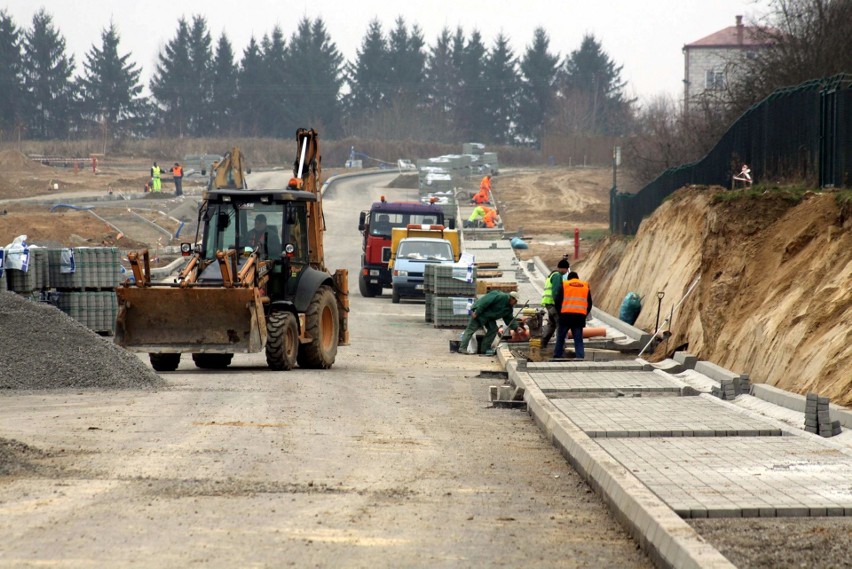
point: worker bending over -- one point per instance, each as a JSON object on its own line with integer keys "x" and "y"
{"x": 486, "y": 311}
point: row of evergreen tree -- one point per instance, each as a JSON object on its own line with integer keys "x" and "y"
{"x": 397, "y": 87}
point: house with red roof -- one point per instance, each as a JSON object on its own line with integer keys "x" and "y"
{"x": 711, "y": 62}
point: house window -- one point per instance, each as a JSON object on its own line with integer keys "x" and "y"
{"x": 714, "y": 80}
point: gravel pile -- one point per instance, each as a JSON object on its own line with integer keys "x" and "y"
{"x": 42, "y": 348}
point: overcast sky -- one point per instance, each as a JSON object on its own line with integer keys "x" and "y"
{"x": 645, "y": 37}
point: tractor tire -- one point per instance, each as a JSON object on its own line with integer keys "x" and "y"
{"x": 164, "y": 362}
{"x": 282, "y": 340}
{"x": 394, "y": 296}
{"x": 212, "y": 361}
{"x": 368, "y": 290}
{"x": 322, "y": 325}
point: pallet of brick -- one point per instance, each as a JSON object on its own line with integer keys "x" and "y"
{"x": 85, "y": 268}
{"x": 39, "y": 265}
{"x": 22, "y": 282}
{"x": 95, "y": 310}
{"x": 473, "y": 148}
{"x": 451, "y": 311}
{"x": 428, "y": 314}
{"x": 455, "y": 280}
{"x": 486, "y": 286}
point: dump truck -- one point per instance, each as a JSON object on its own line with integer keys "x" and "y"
{"x": 255, "y": 280}
{"x": 412, "y": 248}
{"x": 376, "y": 226}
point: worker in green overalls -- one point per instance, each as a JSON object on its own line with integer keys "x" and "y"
{"x": 485, "y": 313}
{"x": 156, "y": 184}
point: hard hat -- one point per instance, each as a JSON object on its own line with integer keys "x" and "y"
{"x": 514, "y": 294}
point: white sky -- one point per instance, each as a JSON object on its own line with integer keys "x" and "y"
{"x": 645, "y": 37}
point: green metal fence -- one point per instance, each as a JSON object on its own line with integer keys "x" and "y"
{"x": 802, "y": 132}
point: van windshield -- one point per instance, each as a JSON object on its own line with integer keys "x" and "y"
{"x": 425, "y": 251}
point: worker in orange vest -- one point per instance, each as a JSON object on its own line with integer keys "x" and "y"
{"x": 575, "y": 300}
{"x": 177, "y": 175}
{"x": 490, "y": 218}
{"x": 484, "y": 193}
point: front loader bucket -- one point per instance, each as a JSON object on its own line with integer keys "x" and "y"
{"x": 195, "y": 319}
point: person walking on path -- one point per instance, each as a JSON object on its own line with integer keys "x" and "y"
{"x": 177, "y": 174}
{"x": 575, "y": 300}
{"x": 156, "y": 183}
{"x": 486, "y": 311}
{"x": 552, "y": 284}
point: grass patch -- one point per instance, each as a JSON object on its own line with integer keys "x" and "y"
{"x": 590, "y": 235}
{"x": 793, "y": 194}
{"x": 844, "y": 198}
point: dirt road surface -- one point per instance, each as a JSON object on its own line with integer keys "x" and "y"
{"x": 393, "y": 458}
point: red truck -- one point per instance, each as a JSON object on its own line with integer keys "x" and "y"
{"x": 376, "y": 225}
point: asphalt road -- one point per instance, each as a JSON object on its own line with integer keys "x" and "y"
{"x": 393, "y": 458}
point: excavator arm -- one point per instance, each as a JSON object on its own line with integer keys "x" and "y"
{"x": 307, "y": 170}
{"x": 230, "y": 172}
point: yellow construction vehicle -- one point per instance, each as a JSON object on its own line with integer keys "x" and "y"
{"x": 255, "y": 279}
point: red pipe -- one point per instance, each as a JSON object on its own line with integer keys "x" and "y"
{"x": 576, "y": 243}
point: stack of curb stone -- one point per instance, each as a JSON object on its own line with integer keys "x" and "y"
{"x": 818, "y": 418}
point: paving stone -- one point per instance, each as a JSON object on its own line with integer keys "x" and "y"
{"x": 661, "y": 417}
{"x": 605, "y": 381}
{"x": 790, "y": 476}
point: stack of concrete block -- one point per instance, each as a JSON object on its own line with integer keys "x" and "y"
{"x": 744, "y": 387}
{"x": 95, "y": 310}
{"x": 727, "y": 391}
{"x": 451, "y": 311}
{"x": 454, "y": 280}
{"x": 476, "y": 148}
{"x": 818, "y": 416}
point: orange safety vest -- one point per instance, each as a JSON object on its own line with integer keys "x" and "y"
{"x": 485, "y": 184}
{"x": 575, "y": 297}
{"x": 490, "y": 218}
{"x": 177, "y": 171}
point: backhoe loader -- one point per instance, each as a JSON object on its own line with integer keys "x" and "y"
{"x": 255, "y": 280}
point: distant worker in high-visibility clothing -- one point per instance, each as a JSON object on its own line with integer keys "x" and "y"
{"x": 575, "y": 300}
{"x": 177, "y": 174}
{"x": 491, "y": 218}
{"x": 156, "y": 183}
{"x": 484, "y": 194}
{"x": 548, "y": 302}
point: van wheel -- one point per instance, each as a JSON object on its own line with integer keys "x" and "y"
{"x": 322, "y": 326}
{"x": 394, "y": 296}
{"x": 282, "y": 340}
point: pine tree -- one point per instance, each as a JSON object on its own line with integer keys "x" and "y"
{"x": 11, "y": 83}
{"x": 367, "y": 75}
{"x": 406, "y": 63}
{"x": 539, "y": 71}
{"x": 252, "y": 77}
{"x": 501, "y": 93}
{"x": 315, "y": 69}
{"x": 224, "y": 91}
{"x": 200, "y": 72}
{"x": 276, "y": 86}
{"x": 47, "y": 79}
{"x": 110, "y": 89}
{"x": 593, "y": 79}
{"x": 172, "y": 83}
{"x": 442, "y": 79}
{"x": 472, "y": 115}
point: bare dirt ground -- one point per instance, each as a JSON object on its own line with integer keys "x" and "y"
{"x": 549, "y": 203}
{"x": 64, "y": 227}
{"x": 775, "y": 293}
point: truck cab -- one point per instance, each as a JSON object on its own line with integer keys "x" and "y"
{"x": 376, "y": 226}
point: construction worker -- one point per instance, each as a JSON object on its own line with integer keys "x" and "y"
{"x": 177, "y": 174}
{"x": 485, "y": 313}
{"x": 575, "y": 300}
{"x": 156, "y": 183}
{"x": 553, "y": 283}
{"x": 485, "y": 186}
{"x": 490, "y": 219}
{"x": 264, "y": 237}
{"x": 477, "y": 214}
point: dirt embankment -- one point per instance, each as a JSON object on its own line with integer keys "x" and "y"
{"x": 775, "y": 293}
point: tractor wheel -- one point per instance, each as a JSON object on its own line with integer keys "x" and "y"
{"x": 368, "y": 290}
{"x": 212, "y": 361}
{"x": 322, "y": 326}
{"x": 164, "y": 362}
{"x": 394, "y": 296}
{"x": 282, "y": 340}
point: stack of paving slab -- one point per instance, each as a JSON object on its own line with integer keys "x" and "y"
{"x": 80, "y": 281}
{"x": 450, "y": 291}
{"x": 818, "y": 417}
